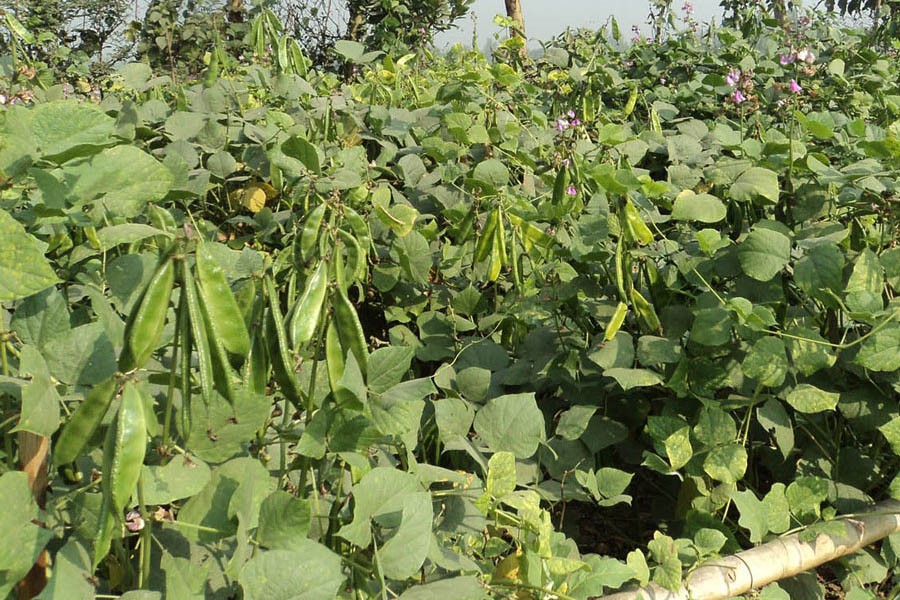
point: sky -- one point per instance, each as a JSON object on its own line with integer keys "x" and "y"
{"x": 547, "y": 18}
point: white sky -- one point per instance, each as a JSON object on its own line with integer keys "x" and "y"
{"x": 547, "y": 18}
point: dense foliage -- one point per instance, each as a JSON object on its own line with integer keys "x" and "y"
{"x": 452, "y": 328}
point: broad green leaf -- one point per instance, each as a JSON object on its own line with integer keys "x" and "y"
{"x": 879, "y": 351}
{"x": 632, "y": 378}
{"x": 711, "y": 327}
{"x": 210, "y": 508}
{"x": 820, "y": 271}
{"x": 122, "y": 179}
{"x": 612, "y": 482}
{"x": 23, "y": 269}
{"x": 41, "y": 317}
{"x": 764, "y": 253}
{"x": 387, "y": 366}
{"x": 454, "y": 418}
{"x": 726, "y": 463}
{"x": 774, "y": 419}
{"x": 300, "y": 149}
{"x": 777, "y": 508}
{"x": 412, "y": 168}
{"x": 127, "y": 233}
{"x": 23, "y": 540}
{"x": 754, "y": 516}
{"x": 653, "y": 351}
{"x": 283, "y": 521}
{"x": 398, "y": 410}
{"x": 512, "y": 422}
{"x": 380, "y": 491}
{"x": 766, "y": 361}
{"x": 312, "y": 572}
{"x": 704, "y": 208}
{"x": 617, "y": 352}
{"x": 466, "y": 587}
{"x": 866, "y": 283}
{"x": 805, "y": 496}
{"x": 493, "y": 172}
{"x": 85, "y": 355}
{"x": 891, "y": 431}
{"x": 181, "y": 478}
{"x": 227, "y": 426}
{"x": 414, "y": 257}
{"x": 715, "y": 427}
{"x": 40, "y": 400}
{"x": 574, "y": 422}
{"x": 501, "y": 476}
{"x": 405, "y": 552}
{"x": 809, "y": 350}
{"x": 756, "y": 184}
{"x": 71, "y": 574}
{"x": 184, "y": 578}
{"x": 678, "y": 448}
{"x": 808, "y": 398}
{"x": 63, "y": 130}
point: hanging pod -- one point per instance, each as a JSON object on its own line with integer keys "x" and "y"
{"x": 146, "y": 322}
{"x": 308, "y": 310}
{"x": 225, "y": 318}
{"x": 81, "y": 427}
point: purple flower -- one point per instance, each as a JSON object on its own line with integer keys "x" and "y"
{"x": 571, "y": 114}
{"x": 562, "y": 124}
{"x": 795, "y": 87}
{"x": 576, "y": 122}
{"x": 572, "y": 190}
{"x": 688, "y": 8}
{"x": 662, "y": 80}
{"x": 738, "y": 97}
{"x": 787, "y": 59}
{"x": 733, "y": 77}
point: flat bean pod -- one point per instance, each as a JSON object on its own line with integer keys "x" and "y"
{"x": 282, "y": 362}
{"x": 309, "y": 234}
{"x": 129, "y": 438}
{"x": 143, "y": 330}
{"x": 225, "y": 317}
{"x": 198, "y": 333}
{"x": 308, "y": 311}
{"x": 352, "y": 336}
{"x": 87, "y": 418}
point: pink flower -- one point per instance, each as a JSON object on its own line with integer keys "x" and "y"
{"x": 806, "y": 56}
{"x": 571, "y": 114}
{"x": 738, "y": 97}
{"x": 786, "y": 59}
{"x": 688, "y": 8}
{"x": 576, "y": 122}
{"x": 795, "y": 87}
{"x": 562, "y": 124}
{"x": 572, "y": 190}
{"x": 733, "y": 77}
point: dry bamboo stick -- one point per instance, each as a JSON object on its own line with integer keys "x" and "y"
{"x": 784, "y": 557}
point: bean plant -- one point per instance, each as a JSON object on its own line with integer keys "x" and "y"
{"x": 434, "y": 326}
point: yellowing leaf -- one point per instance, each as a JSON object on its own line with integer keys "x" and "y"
{"x": 254, "y": 197}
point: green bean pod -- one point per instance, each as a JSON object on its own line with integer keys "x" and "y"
{"x": 334, "y": 357}
{"x": 256, "y": 367}
{"x": 485, "y": 243}
{"x": 198, "y": 333}
{"x": 560, "y": 186}
{"x": 144, "y": 328}
{"x": 105, "y": 527}
{"x": 184, "y": 357}
{"x": 646, "y": 313}
{"x": 225, "y": 317}
{"x": 349, "y": 328}
{"x": 282, "y": 361}
{"x": 129, "y": 444}
{"x": 87, "y": 418}
{"x": 309, "y": 234}
{"x": 308, "y": 310}
{"x": 356, "y": 257}
{"x": 360, "y": 229}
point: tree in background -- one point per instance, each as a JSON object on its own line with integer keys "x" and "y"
{"x": 514, "y": 13}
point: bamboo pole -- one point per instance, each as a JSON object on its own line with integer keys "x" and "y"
{"x": 784, "y": 557}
